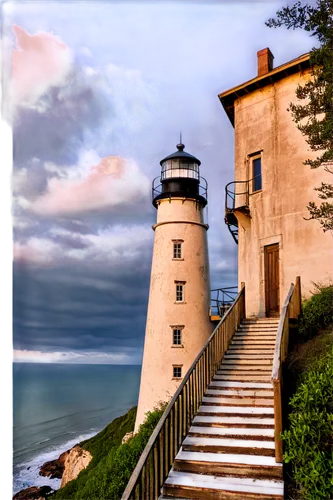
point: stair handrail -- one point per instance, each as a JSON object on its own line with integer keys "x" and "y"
{"x": 291, "y": 309}
{"x": 156, "y": 459}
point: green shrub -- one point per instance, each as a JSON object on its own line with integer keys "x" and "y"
{"x": 317, "y": 312}
{"x": 309, "y": 440}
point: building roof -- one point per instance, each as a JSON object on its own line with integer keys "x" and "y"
{"x": 181, "y": 154}
{"x": 228, "y": 97}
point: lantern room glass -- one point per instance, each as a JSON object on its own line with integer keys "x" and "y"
{"x": 176, "y": 168}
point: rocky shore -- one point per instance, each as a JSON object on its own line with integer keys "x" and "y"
{"x": 66, "y": 467}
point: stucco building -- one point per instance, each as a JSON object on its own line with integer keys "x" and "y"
{"x": 266, "y": 202}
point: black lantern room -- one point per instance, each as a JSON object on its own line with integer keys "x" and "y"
{"x": 180, "y": 178}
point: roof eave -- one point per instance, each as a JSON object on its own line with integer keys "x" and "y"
{"x": 228, "y": 97}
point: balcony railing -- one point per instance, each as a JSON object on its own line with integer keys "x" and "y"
{"x": 237, "y": 197}
{"x": 290, "y": 312}
{"x": 157, "y": 458}
{"x": 157, "y": 186}
{"x": 222, "y": 299}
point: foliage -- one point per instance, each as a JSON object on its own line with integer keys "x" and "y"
{"x": 109, "y": 477}
{"x": 309, "y": 439}
{"x": 110, "y": 437}
{"x": 314, "y": 118}
{"x": 317, "y": 312}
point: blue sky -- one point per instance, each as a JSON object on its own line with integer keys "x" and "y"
{"x": 99, "y": 94}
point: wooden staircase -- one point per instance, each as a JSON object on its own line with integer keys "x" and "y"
{"x": 229, "y": 452}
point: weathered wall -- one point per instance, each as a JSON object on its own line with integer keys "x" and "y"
{"x": 262, "y": 122}
{"x": 184, "y": 221}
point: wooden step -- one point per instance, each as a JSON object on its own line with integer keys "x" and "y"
{"x": 246, "y": 356}
{"x": 222, "y": 464}
{"x": 257, "y": 328}
{"x": 251, "y": 336}
{"x": 233, "y": 421}
{"x": 273, "y": 326}
{"x": 239, "y": 432}
{"x": 260, "y": 321}
{"x": 243, "y": 378}
{"x": 246, "y": 361}
{"x": 241, "y": 385}
{"x": 251, "y": 351}
{"x": 229, "y": 445}
{"x": 236, "y": 410}
{"x": 254, "y": 341}
{"x": 240, "y": 393}
{"x": 237, "y": 401}
{"x": 207, "y": 487}
{"x": 226, "y": 367}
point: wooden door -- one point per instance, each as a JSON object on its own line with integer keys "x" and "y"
{"x": 272, "y": 281}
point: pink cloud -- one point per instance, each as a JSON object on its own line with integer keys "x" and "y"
{"x": 39, "y": 62}
{"x": 113, "y": 182}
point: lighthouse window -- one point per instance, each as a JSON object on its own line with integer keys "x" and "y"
{"x": 177, "y": 250}
{"x": 177, "y": 336}
{"x": 177, "y": 371}
{"x": 256, "y": 174}
{"x": 179, "y": 292}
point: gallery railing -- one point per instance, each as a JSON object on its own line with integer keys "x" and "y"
{"x": 290, "y": 311}
{"x": 157, "y": 186}
{"x": 157, "y": 458}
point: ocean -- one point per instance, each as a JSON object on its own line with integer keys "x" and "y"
{"x": 56, "y": 406}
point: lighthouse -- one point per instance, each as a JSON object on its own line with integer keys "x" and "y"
{"x": 178, "y": 322}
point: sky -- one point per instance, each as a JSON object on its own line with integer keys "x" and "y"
{"x": 96, "y": 94}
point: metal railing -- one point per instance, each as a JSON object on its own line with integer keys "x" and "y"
{"x": 157, "y": 186}
{"x": 290, "y": 311}
{"x": 237, "y": 193}
{"x": 222, "y": 299}
{"x": 156, "y": 460}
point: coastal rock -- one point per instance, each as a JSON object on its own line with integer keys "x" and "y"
{"x": 54, "y": 468}
{"x": 76, "y": 460}
{"x": 127, "y": 437}
{"x": 33, "y": 493}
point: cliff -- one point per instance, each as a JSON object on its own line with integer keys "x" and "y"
{"x": 54, "y": 469}
{"x": 76, "y": 460}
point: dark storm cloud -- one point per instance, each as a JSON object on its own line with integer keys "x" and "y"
{"x": 80, "y": 307}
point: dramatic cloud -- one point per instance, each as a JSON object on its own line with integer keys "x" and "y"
{"x": 39, "y": 62}
{"x": 114, "y": 181}
{"x": 114, "y": 246}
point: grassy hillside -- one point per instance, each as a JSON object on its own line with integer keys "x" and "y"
{"x": 308, "y": 438}
{"x": 110, "y": 469}
{"x": 110, "y": 437}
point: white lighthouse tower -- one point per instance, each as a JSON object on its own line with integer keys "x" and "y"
{"x": 178, "y": 322}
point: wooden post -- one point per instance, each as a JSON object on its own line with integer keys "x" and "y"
{"x": 278, "y": 420}
{"x": 299, "y": 294}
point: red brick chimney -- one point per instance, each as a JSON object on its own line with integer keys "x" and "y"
{"x": 265, "y": 61}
